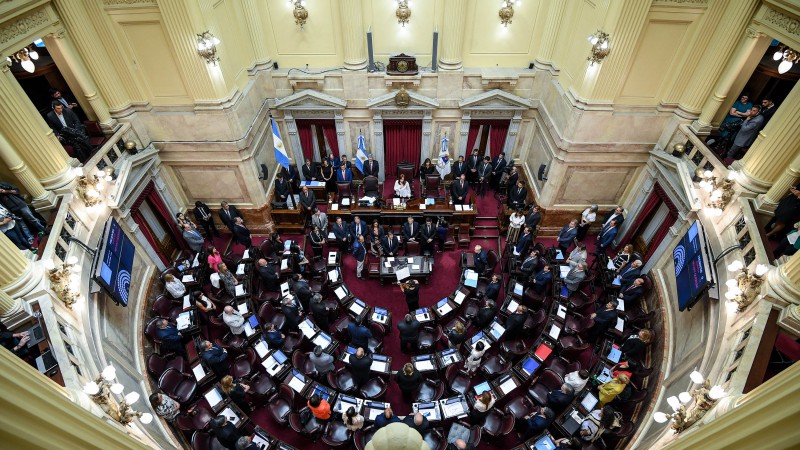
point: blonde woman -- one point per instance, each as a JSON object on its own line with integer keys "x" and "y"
{"x": 228, "y": 279}
{"x": 236, "y": 392}
{"x": 515, "y": 222}
{"x": 623, "y": 257}
{"x": 457, "y": 335}
{"x": 174, "y": 286}
{"x": 481, "y": 408}
{"x": 611, "y": 389}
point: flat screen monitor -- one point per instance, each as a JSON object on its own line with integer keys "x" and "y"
{"x": 116, "y": 265}
{"x": 481, "y": 388}
{"x": 691, "y": 269}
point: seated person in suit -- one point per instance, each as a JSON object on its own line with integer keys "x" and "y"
{"x": 241, "y": 234}
{"x": 541, "y": 280}
{"x": 343, "y": 173}
{"x": 528, "y": 265}
{"x": 633, "y": 292}
{"x": 215, "y": 357}
{"x": 493, "y": 288}
{"x": 308, "y": 200}
{"x": 390, "y": 245}
{"x": 603, "y": 320}
{"x": 461, "y": 191}
{"x": 281, "y": 188}
{"x": 371, "y": 167}
{"x": 636, "y": 343}
{"x": 402, "y": 188}
{"x": 560, "y": 399}
{"x": 575, "y": 276}
{"x": 459, "y": 168}
{"x": 274, "y": 336}
{"x": 485, "y": 314}
{"x": 310, "y": 171}
{"x": 537, "y": 422}
{"x": 517, "y": 195}
{"x": 629, "y": 273}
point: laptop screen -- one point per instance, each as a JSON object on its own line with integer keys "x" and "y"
{"x": 253, "y": 321}
{"x": 614, "y": 354}
{"x": 481, "y": 388}
{"x": 279, "y": 356}
{"x": 530, "y": 365}
{"x": 589, "y": 401}
{"x": 544, "y": 443}
{"x": 380, "y": 311}
{"x": 477, "y": 337}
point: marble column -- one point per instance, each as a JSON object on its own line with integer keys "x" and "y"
{"x": 377, "y": 147}
{"x": 66, "y": 52}
{"x": 790, "y": 177}
{"x": 15, "y": 275}
{"x": 255, "y": 27}
{"x": 183, "y": 21}
{"x": 462, "y": 146}
{"x": 354, "y": 38}
{"x": 550, "y": 34}
{"x": 294, "y": 139}
{"x": 41, "y": 197}
{"x": 511, "y": 139}
{"x": 721, "y": 18}
{"x": 623, "y": 39}
{"x": 427, "y": 121}
{"x": 784, "y": 288}
{"x": 9, "y": 307}
{"x": 29, "y": 135}
{"x": 451, "y": 56}
{"x": 338, "y": 120}
{"x": 775, "y": 147}
{"x": 732, "y": 71}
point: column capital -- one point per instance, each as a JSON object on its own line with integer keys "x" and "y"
{"x": 752, "y": 33}
{"x": 5, "y": 66}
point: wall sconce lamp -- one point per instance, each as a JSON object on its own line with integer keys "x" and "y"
{"x": 207, "y": 47}
{"x": 789, "y": 57}
{"x": 26, "y": 56}
{"x": 685, "y": 414}
{"x": 300, "y": 12}
{"x": 720, "y": 191}
{"x": 65, "y": 280}
{"x": 745, "y": 287}
{"x": 507, "y": 11}
{"x": 600, "y": 50}
{"x": 403, "y": 12}
{"x": 90, "y": 188}
{"x": 100, "y": 391}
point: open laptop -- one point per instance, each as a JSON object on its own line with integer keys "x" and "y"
{"x": 588, "y": 402}
{"x": 46, "y": 361}
{"x": 36, "y": 333}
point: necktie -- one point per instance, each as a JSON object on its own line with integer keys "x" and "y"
{"x": 462, "y": 183}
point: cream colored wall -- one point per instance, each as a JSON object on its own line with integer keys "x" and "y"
{"x": 318, "y": 45}
{"x": 489, "y": 44}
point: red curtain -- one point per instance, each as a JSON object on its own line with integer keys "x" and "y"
{"x": 497, "y": 136}
{"x": 474, "y": 127}
{"x": 653, "y": 201}
{"x": 139, "y": 219}
{"x": 306, "y": 139}
{"x": 329, "y": 130}
{"x": 402, "y": 142}
{"x": 148, "y": 194}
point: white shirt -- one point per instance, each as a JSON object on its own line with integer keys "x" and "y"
{"x": 588, "y": 215}
{"x": 235, "y": 321}
{"x": 482, "y": 407}
{"x": 176, "y": 288}
{"x": 574, "y": 380}
{"x": 516, "y": 220}
{"x": 61, "y": 118}
{"x": 402, "y": 190}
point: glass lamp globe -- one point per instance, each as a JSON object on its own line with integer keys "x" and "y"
{"x": 131, "y": 397}
{"x": 91, "y": 388}
{"x": 685, "y": 397}
{"x": 117, "y": 388}
{"x": 674, "y": 403}
{"x": 761, "y": 269}
{"x": 716, "y": 393}
{"x": 49, "y": 264}
{"x": 777, "y": 55}
{"x": 146, "y": 418}
{"x": 29, "y": 67}
{"x": 72, "y": 260}
{"x": 660, "y": 417}
{"x": 697, "y": 377}
{"x": 109, "y": 373}
{"x": 783, "y": 67}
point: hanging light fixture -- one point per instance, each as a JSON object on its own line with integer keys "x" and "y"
{"x": 789, "y": 57}
{"x": 25, "y": 58}
{"x": 300, "y": 12}
{"x": 600, "y": 50}
{"x": 403, "y": 12}
{"x": 207, "y": 47}
{"x": 507, "y": 11}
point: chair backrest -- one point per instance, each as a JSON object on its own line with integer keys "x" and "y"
{"x": 343, "y": 189}
{"x": 492, "y": 260}
{"x": 378, "y": 330}
{"x": 162, "y": 306}
{"x": 370, "y": 185}
{"x": 648, "y": 283}
{"x": 550, "y": 379}
{"x": 432, "y": 181}
{"x": 412, "y": 249}
{"x": 266, "y": 247}
{"x": 407, "y": 170}
{"x": 170, "y": 380}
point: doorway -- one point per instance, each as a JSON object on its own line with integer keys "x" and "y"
{"x": 318, "y": 138}
{"x": 487, "y": 136}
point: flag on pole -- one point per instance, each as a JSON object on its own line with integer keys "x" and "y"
{"x": 443, "y": 164}
{"x": 361, "y": 153}
{"x": 280, "y": 151}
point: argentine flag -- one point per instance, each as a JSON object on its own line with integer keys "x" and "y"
{"x": 443, "y": 164}
{"x": 280, "y": 151}
{"x": 361, "y": 153}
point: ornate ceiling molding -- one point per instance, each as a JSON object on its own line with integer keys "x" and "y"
{"x": 26, "y": 27}
{"x": 681, "y": 2}
{"x": 129, "y": 2}
{"x": 782, "y": 21}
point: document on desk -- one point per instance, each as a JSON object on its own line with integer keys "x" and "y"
{"x": 403, "y": 273}
{"x": 213, "y": 397}
{"x": 390, "y": 259}
{"x": 239, "y": 290}
{"x": 415, "y": 267}
{"x": 386, "y": 264}
{"x": 333, "y": 275}
{"x": 261, "y": 349}
{"x": 428, "y": 410}
{"x": 424, "y": 365}
{"x": 186, "y": 303}
{"x": 471, "y": 278}
{"x": 444, "y": 309}
{"x": 459, "y": 298}
{"x": 620, "y": 324}
{"x": 260, "y": 441}
{"x": 331, "y": 236}
{"x": 512, "y": 306}
{"x": 345, "y": 201}
{"x": 195, "y": 262}
{"x": 459, "y": 207}
{"x": 231, "y": 416}
{"x": 395, "y": 202}
{"x": 188, "y": 279}
{"x": 610, "y": 265}
{"x": 421, "y": 206}
{"x": 297, "y": 384}
{"x": 340, "y": 292}
{"x": 199, "y": 372}
{"x": 242, "y": 308}
{"x": 240, "y": 269}
{"x": 507, "y": 386}
{"x": 307, "y": 329}
{"x": 378, "y": 366}
{"x": 564, "y": 270}
{"x": 452, "y": 409}
{"x": 284, "y": 264}
{"x": 562, "y": 311}
{"x": 334, "y": 207}
{"x": 620, "y": 305}
{"x": 183, "y": 321}
{"x": 555, "y": 330}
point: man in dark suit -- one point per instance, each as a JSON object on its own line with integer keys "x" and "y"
{"x": 275, "y": 338}
{"x": 515, "y": 322}
{"x": 268, "y": 276}
{"x": 524, "y": 243}
{"x": 342, "y": 235}
{"x": 309, "y": 170}
{"x": 203, "y": 215}
{"x": 360, "y": 364}
{"x": 516, "y": 198}
{"x": 484, "y": 175}
{"x": 461, "y": 190}
{"x": 537, "y": 422}
{"x": 307, "y": 200}
{"x": 292, "y": 176}
{"x": 390, "y": 245}
{"x": 629, "y": 273}
{"x": 346, "y": 163}
{"x": 333, "y": 161}
{"x": 485, "y": 314}
{"x": 541, "y": 279}
{"x": 459, "y": 167}
{"x": 302, "y": 290}
{"x": 417, "y": 422}
{"x": 606, "y": 236}
{"x": 603, "y": 320}
{"x": 566, "y": 236}
{"x": 225, "y": 432}
{"x": 427, "y": 236}
{"x": 170, "y": 338}
{"x": 281, "y": 188}
{"x": 227, "y": 213}
{"x": 616, "y": 214}
{"x": 215, "y": 357}
{"x": 410, "y": 230}
{"x": 498, "y": 166}
{"x": 240, "y": 233}
{"x": 411, "y": 291}
{"x": 409, "y": 333}
{"x": 56, "y": 96}
{"x": 359, "y": 334}
{"x": 371, "y": 167}
{"x": 360, "y": 254}
{"x": 343, "y": 173}
{"x": 533, "y": 219}
{"x": 321, "y": 313}
{"x": 357, "y": 228}
{"x": 292, "y": 314}
{"x": 472, "y": 165}
{"x": 529, "y": 264}
{"x": 633, "y": 292}
{"x": 493, "y": 288}
{"x": 480, "y": 261}
{"x": 560, "y": 399}
{"x": 61, "y": 118}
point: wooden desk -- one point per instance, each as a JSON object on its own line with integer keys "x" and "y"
{"x": 391, "y": 216}
{"x": 292, "y": 221}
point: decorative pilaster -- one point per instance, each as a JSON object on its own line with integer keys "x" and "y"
{"x": 426, "y": 137}
{"x": 27, "y": 132}
{"x": 294, "y": 138}
{"x": 9, "y": 308}
{"x": 550, "y": 34}
{"x": 775, "y": 147}
{"x": 511, "y": 138}
{"x": 452, "y": 53}
{"x": 377, "y": 146}
{"x": 41, "y": 197}
{"x": 768, "y": 202}
{"x": 785, "y": 280}
{"x": 732, "y": 71}
{"x": 252, "y": 15}
{"x": 462, "y": 146}
{"x": 67, "y": 53}
{"x": 623, "y": 39}
{"x": 338, "y": 120}
{"x": 15, "y": 276}
{"x": 183, "y": 21}
{"x": 720, "y": 18}
{"x": 353, "y": 34}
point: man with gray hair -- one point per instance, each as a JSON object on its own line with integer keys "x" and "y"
{"x": 371, "y": 167}
{"x": 557, "y": 400}
{"x": 629, "y": 273}
{"x": 323, "y": 362}
{"x": 193, "y": 238}
{"x": 246, "y": 443}
{"x": 233, "y": 319}
{"x": 576, "y": 274}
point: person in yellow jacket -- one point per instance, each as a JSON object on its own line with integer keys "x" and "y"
{"x": 610, "y": 390}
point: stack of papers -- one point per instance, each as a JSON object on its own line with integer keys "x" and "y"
{"x": 239, "y": 290}
{"x": 340, "y": 292}
{"x": 507, "y": 386}
{"x": 335, "y": 207}
{"x": 188, "y": 279}
{"x": 284, "y": 264}
{"x": 459, "y": 298}
{"x": 184, "y": 320}
{"x": 459, "y": 207}
{"x": 345, "y": 201}
{"x": 186, "y": 304}
{"x": 240, "y": 269}
{"x": 333, "y": 275}
{"x": 512, "y": 306}
{"x": 562, "y": 311}
{"x": 620, "y": 305}
{"x": 610, "y": 265}
{"x": 453, "y": 409}
{"x": 395, "y": 202}
{"x": 261, "y": 348}
{"x": 242, "y": 307}
{"x": 213, "y": 397}
{"x": 297, "y": 384}
{"x": 199, "y": 372}
{"x": 246, "y": 254}
{"x": 620, "y": 324}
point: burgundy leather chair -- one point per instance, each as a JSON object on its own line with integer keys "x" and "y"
{"x": 363, "y": 436}
{"x": 429, "y": 390}
{"x": 429, "y": 338}
{"x": 373, "y": 389}
{"x": 232, "y": 342}
{"x": 261, "y": 388}
{"x": 412, "y": 249}
{"x": 302, "y": 362}
{"x": 497, "y": 424}
{"x": 512, "y": 349}
{"x": 548, "y": 381}
{"x": 435, "y": 439}
{"x": 177, "y": 385}
{"x": 495, "y": 365}
{"x": 340, "y": 328}
{"x": 375, "y": 343}
{"x": 561, "y": 366}
{"x": 520, "y": 407}
{"x": 151, "y": 329}
{"x": 280, "y": 405}
{"x": 157, "y": 364}
{"x": 292, "y": 341}
{"x": 244, "y": 365}
{"x": 336, "y": 435}
{"x": 342, "y": 380}
{"x": 577, "y": 324}
{"x": 570, "y": 347}
{"x": 457, "y": 379}
{"x": 205, "y": 441}
{"x": 312, "y": 429}
{"x": 268, "y": 314}
{"x": 164, "y": 306}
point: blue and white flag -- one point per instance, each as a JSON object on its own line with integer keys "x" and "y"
{"x": 361, "y": 153}
{"x": 280, "y": 151}
{"x": 443, "y": 164}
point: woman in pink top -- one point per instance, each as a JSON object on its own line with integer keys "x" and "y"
{"x": 214, "y": 258}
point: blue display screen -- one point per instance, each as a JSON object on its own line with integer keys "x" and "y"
{"x": 117, "y": 263}
{"x": 690, "y": 273}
